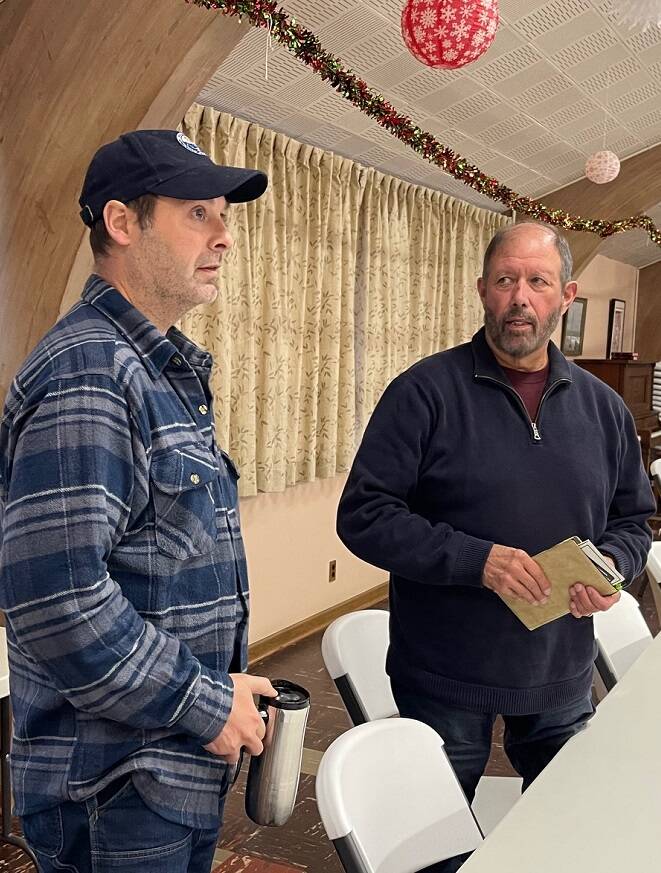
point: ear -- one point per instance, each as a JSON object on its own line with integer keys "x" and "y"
{"x": 481, "y": 288}
{"x": 568, "y": 294}
{"x": 118, "y": 220}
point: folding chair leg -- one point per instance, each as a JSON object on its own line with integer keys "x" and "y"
{"x": 656, "y": 594}
{"x": 6, "y": 835}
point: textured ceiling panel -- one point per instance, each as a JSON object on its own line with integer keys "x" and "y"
{"x": 586, "y": 48}
{"x": 551, "y": 16}
{"x": 400, "y": 67}
{"x": 574, "y": 114}
{"x": 344, "y": 33}
{"x": 607, "y": 76}
{"x": 509, "y": 64}
{"x": 562, "y": 78}
{"x": 454, "y": 92}
{"x": 571, "y": 31}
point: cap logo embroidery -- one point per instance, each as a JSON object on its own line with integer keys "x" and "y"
{"x": 183, "y": 140}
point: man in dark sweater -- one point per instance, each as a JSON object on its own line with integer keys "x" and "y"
{"x": 475, "y": 459}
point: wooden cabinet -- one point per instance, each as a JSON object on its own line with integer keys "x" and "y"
{"x": 631, "y": 379}
{"x": 633, "y": 382}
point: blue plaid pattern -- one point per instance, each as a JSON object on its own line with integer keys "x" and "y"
{"x": 122, "y": 569}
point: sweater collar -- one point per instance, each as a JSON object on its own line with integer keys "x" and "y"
{"x": 486, "y": 365}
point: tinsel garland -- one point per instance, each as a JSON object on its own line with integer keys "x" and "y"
{"x": 305, "y": 45}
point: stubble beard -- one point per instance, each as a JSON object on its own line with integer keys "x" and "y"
{"x": 165, "y": 284}
{"x": 520, "y": 345}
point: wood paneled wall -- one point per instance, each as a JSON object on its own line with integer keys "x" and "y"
{"x": 648, "y": 320}
{"x": 75, "y": 74}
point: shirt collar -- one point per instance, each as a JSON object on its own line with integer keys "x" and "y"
{"x": 485, "y": 363}
{"x": 155, "y": 348}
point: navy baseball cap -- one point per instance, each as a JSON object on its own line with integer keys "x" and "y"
{"x": 161, "y": 162}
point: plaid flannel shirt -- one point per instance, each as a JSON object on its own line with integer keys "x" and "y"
{"x": 122, "y": 569}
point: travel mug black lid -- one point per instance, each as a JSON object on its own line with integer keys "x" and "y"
{"x": 290, "y": 695}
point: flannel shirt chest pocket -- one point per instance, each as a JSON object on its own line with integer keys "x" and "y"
{"x": 184, "y": 482}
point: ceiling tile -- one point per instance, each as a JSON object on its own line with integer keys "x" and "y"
{"x": 378, "y": 49}
{"x": 506, "y": 128}
{"x": 523, "y": 139}
{"x": 526, "y": 78}
{"x": 475, "y": 124}
{"x": 541, "y": 111}
{"x": 391, "y": 73}
{"x": 585, "y": 49}
{"x": 355, "y": 145}
{"x": 342, "y": 34}
{"x": 550, "y": 17}
{"x": 570, "y": 32}
{"x": 509, "y": 64}
{"x": 376, "y": 156}
{"x": 633, "y": 99}
{"x": 545, "y": 89}
{"x": 355, "y": 121}
{"x": 314, "y": 14}
{"x": 454, "y": 92}
{"x": 616, "y": 54}
{"x": 607, "y": 77}
{"x": 424, "y": 83}
{"x": 575, "y": 115}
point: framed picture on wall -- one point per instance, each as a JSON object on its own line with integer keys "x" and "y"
{"x": 615, "y": 327}
{"x": 573, "y": 328}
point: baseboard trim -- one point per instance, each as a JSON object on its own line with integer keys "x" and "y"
{"x": 296, "y": 632}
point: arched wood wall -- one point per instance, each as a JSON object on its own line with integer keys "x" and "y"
{"x": 75, "y": 74}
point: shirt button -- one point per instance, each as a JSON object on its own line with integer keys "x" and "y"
{"x": 195, "y": 479}
{"x": 203, "y": 409}
{"x": 177, "y": 361}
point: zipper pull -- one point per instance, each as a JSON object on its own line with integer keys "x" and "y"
{"x": 535, "y": 432}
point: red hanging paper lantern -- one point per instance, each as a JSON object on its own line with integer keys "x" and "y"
{"x": 449, "y": 33}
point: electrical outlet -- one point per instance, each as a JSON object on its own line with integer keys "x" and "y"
{"x": 332, "y": 571}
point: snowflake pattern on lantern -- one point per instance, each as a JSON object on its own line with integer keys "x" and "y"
{"x": 449, "y": 33}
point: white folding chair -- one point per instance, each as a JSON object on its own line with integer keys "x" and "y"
{"x": 622, "y": 636}
{"x": 654, "y": 558}
{"x": 354, "y": 650}
{"x": 653, "y": 569}
{"x": 6, "y": 835}
{"x": 390, "y": 801}
{"x": 655, "y": 472}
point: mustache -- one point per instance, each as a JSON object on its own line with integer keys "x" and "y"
{"x": 520, "y": 314}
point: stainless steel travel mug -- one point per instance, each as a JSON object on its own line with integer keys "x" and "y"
{"x": 273, "y": 776}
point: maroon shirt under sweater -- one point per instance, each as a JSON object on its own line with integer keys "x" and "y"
{"x": 529, "y": 386}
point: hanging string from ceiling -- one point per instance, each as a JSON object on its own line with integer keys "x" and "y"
{"x": 305, "y": 45}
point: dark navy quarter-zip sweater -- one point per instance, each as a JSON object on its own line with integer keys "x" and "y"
{"x": 450, "y": 464}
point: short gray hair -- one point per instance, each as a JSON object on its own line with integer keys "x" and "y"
{"x": 561, "y": 244}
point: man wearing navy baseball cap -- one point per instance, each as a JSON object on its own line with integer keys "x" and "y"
{"x": 127, "y": 613}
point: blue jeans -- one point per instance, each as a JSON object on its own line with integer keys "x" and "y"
{"x": 530, "y": 741}
{"x": 115, "y": 832}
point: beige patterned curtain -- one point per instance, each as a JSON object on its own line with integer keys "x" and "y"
{"x": 339, "y": 278}
{"x": 420, "y": 253}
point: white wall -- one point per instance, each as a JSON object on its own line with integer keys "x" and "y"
{"x": 290, "y": 538}
{"x": 602, "y": 280}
